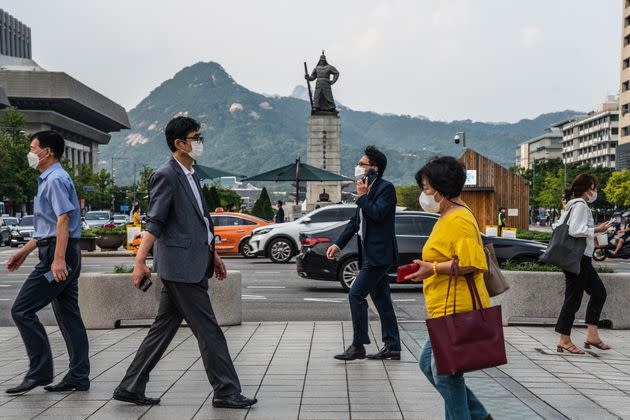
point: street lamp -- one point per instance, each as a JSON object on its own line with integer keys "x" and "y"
{"x": 460, "y": 135}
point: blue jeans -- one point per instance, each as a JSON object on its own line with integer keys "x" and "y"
{"x": 373, "y": 281}
{"x": 459, "y": 401}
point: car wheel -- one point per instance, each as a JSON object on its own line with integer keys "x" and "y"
{"x": 280, "y": 250}
{"x": 599, "y": 254}
{"x": 245, "y": 250}
{"x": 348, "y": 273}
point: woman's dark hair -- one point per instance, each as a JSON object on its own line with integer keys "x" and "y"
{"x": 178, "y": 128}
{"x": 52, "y": 140}
{"x": 136, "y": 208}
{"x": 377, "y": 158}
{"x": 445, "y": 174}
{"x": 581, "y": 184}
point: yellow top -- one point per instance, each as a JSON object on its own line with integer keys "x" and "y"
{"x": 454, "y": 235}
{"x": 136, "y": 218}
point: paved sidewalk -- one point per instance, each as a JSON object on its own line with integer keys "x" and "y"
{"x": 289, "y": 367}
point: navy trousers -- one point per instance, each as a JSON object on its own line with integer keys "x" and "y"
{"x": 373, "y": 281}
{"x": 35, "y": 294}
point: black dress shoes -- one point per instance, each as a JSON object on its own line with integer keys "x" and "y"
{"x": 385, "y": 353}
{"x": 134, "y": 398}
{"x": 64, "y": 386}
{"x": 351, "y": 353}
{"x": 26, "y": 386}
{"x": 234, "y": 401}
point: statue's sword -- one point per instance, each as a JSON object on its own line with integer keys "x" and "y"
{"x": 308, "y": 83}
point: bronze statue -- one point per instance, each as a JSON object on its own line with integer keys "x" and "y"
{"x": 323, "y": 102}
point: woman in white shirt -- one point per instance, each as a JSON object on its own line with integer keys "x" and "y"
{"x": 581, "y": 225}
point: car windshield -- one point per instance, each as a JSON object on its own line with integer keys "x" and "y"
{"x": 11, "y": 221}
{"x": 97, "y": 215}
{"x": 26, "y": 221}
{"x": 120, "y": 217}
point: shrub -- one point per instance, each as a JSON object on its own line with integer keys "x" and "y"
{"x": 87, "y": 233}
{"x": 533, "y": 235}
{"x": 534, "y": 266}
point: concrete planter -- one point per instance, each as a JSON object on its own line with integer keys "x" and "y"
{"x": 540, "y": 295}
{"x": 110, "y": 242}
{"x": 107, "y": 299}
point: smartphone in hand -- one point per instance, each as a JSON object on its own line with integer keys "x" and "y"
{"x": 49, "y": 275}
{"x": 145, "y": 283}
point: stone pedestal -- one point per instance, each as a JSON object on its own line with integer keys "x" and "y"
{"x": 323, "y": 150}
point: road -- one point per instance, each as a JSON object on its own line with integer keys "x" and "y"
{"x": 271, "y": 292}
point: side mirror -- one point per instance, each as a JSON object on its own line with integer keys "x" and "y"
{"x": 306, "y": 220}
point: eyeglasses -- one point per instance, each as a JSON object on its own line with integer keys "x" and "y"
{"x": 199, "y": 139}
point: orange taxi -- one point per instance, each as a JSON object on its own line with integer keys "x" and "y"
{"x": 233, "y": 230}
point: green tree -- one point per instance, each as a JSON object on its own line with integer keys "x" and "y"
{"x": 617, "y": 189}
{"x": 103, "y": 190}
{"x": 262, "y": 207}
{"x": 211, "y": 196}
{"x": 142, "y": 189}
{"x": 550, "y": 193}
{"x": 228, "y": 196}
{"x": 408, "y": 197}
{"x": 18, "y": 182}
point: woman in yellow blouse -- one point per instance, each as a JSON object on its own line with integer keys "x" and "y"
{"x": 455, "y": 235}
{"x": 136, "y": 216}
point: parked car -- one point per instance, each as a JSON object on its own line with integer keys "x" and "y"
{"x": 120, "y": 219}
{"x": 23, "y": 231}
{"x": 97, "y": 218}
{"x": 8, "y": 221}
{"x": 5, "y": 236}
{"x": 280, "y": 242}
{"x": 233, "y": 231}
{"x": 412, "y": 230}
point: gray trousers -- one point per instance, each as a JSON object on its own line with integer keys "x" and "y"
{"x": 187, "y": 301}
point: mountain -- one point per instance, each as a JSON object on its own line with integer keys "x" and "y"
{"x": 248, "y": 133}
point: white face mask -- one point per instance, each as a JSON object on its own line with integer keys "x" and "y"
{"x": 197, "y": 150}
{"x": 359, "y": 171}
{"x": 593, "y": 196}
{"x": 33, "y": 160}
{"x": 428, "y": 203}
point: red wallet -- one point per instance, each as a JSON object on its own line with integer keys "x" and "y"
{"x": 405, "y": 270}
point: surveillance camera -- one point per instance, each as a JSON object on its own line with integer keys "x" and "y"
{"x": 456, "y": 139}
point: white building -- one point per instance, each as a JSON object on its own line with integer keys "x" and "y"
{"x": 592, "y": 139}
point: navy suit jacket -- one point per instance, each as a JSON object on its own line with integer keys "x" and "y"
{"x": 379, "y": 248}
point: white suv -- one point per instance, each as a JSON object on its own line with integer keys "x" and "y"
{"x": 280, "y": 242}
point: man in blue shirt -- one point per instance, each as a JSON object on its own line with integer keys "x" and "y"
{"x": 57, "y": 224}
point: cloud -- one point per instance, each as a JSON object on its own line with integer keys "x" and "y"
{"x": 531, "y": 36}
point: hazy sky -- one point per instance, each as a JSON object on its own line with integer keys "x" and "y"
{"x": 488, "y": 60}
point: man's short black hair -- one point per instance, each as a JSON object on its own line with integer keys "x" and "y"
{"x": 280, "y": 202}
{"x": 52, "y": 140}
{"x": 179, "y": 128}
{"x": 444, "y": 174}
{"x": 501, "y": 208}
{"x": 377, "y": 158}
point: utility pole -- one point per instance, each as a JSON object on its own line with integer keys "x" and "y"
{"x": 135, "y": 186}
{"x": 113, "y": 184}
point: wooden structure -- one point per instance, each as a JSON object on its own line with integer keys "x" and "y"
{"x": 490, "y": 186}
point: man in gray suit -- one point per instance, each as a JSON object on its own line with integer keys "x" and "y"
{"x": 180, "y": 228}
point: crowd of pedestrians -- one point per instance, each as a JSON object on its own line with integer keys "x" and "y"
{"x": 453, "y": 267}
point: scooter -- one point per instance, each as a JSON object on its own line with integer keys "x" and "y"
{"x": 601, "y": 253}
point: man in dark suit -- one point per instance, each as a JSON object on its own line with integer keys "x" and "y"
{"x": 280, "y": 213}
{"x": 374, "y": 224}
{"x": 184, "y": 259}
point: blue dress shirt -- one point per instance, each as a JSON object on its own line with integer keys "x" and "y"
{"x": 56, "y": 195}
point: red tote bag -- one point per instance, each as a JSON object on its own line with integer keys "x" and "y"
{"x": 467, "y": 341}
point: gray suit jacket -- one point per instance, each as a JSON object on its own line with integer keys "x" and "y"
{"x": 181, "y": 252}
